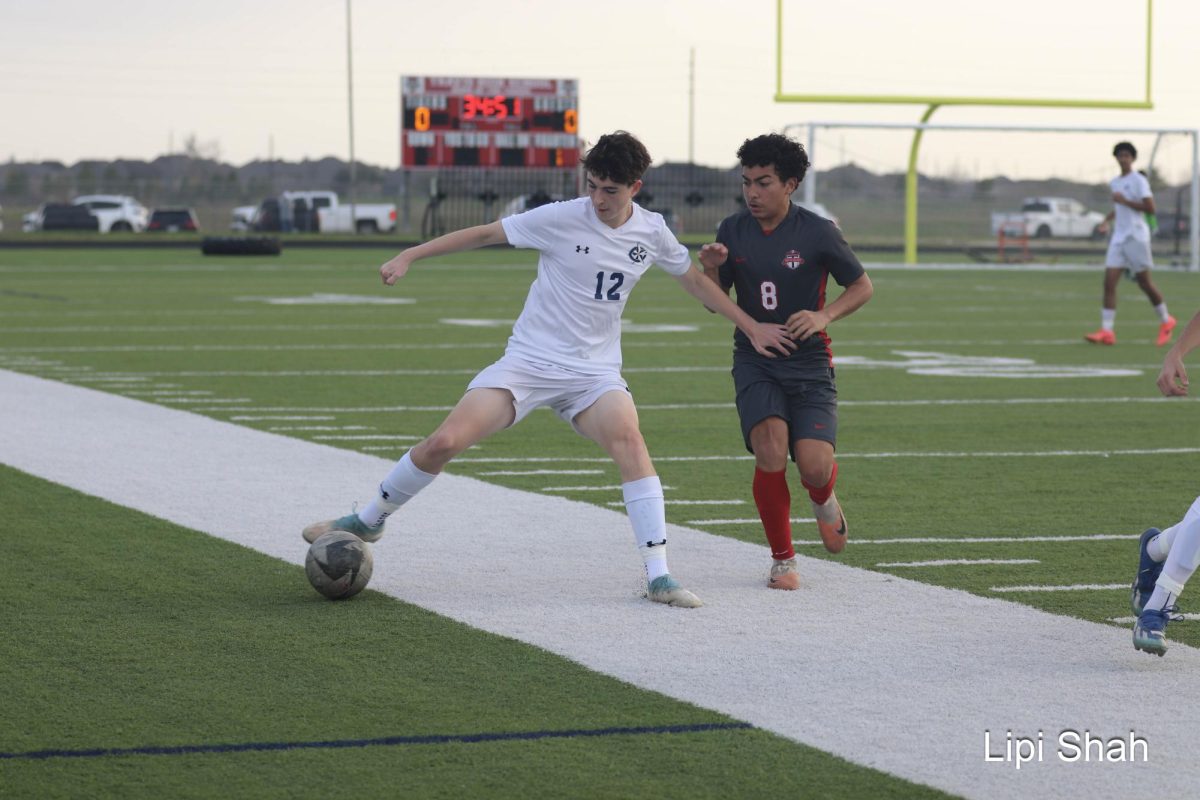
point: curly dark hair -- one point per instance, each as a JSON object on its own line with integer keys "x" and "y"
{"x": 619, "y": 157}
{"x": 772, "y": 149}
{"x": 1127, "y": 147}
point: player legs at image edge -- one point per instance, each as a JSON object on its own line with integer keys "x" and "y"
{"x": 1166, "y": 560}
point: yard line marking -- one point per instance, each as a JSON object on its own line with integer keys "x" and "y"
{"x": 957, "y": 562}
{"x": 172, "y": 393}
{"x": 747, "y": 521}
{"x": 1077, "y": 587}
{"x": 127, "y": 451}
{"x": 186, "y": 400}
{"x": 592, "y": 488}
{"x": 545, "y": 472}
{"x": 1097, "y": 537}
{"x": 996, "y": 454}
{"x": 253, "y": 348}
{"x": 278, "y": 428}
{"x": 367, "y": 437}
{"x": 724, "y": 405}
{"x": 691, "y": 503}
{"x": 279, "y": 418}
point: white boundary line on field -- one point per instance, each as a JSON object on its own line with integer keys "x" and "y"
{"x": 921, "y": 671}
{"x": 957, "y": 562}
{"x": 1075, "y": 587}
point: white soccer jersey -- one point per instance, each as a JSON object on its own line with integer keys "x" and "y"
{"x": 1128, "y": 222}
{"x": 572, "y": 316}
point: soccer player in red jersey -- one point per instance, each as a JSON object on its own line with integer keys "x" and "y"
{"x": 778, "y": 257}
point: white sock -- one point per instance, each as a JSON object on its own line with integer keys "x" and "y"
{"x": 1184, "y": 556}
{"x": 400, "y": 486}
{"x": 648, "y": 516}
{"x": 1158, "y": 547}
{"x": 1161, "y": 310}
{"x": 1108, "y": 318}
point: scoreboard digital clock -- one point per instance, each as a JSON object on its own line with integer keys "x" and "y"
{"x": 488, "y": 122}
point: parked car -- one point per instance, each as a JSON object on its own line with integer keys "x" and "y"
{"x": 819, "y": 209}
{"x": 1043, "y": 217}
{"x": 172, "y": 220}
{"x": 116, "y": 212}
{"x": 32, "y": 220}
{"x": 64, "y": 217}
{"x": 242, "y": 218}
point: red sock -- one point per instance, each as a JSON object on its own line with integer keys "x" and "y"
{"x": 820, "y": 494}
{"x": 774, "y": 503}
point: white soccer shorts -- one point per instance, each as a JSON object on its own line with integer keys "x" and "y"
{"x": 533, "y": 385}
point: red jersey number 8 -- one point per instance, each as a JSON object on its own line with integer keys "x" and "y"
{"x": 770, "y": 300}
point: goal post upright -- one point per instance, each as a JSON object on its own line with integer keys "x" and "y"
{"x": 934, "y": 102}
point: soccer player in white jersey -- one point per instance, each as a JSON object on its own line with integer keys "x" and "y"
{"x": 1129, "y": 248}
{"x": 1169, "y": 558}
{"x": 565, "y": 349}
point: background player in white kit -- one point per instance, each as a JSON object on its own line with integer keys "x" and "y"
{"x": 565, "y": 349}
{"x": 1129, "y": 248}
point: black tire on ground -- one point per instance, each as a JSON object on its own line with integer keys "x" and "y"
{"x": 1043, "y": 232}
{"x": 367, "y": 226}
{"x": 240, "y": 246}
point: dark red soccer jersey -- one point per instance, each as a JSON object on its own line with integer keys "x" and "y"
{"x": 779, "y": 273}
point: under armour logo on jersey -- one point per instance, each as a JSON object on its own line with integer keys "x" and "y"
{"x": 637, "y": 254}
{"x": 793, "y": 260}
{"x": 581, "y": 249}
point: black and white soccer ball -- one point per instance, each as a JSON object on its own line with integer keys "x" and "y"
{"x": 339, "y": 565}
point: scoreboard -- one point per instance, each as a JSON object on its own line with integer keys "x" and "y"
{"x": 488, "y": 122}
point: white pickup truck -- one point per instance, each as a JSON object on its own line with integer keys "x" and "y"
{"x": 320, "y": 210}
{"x": 1044, "y": 217}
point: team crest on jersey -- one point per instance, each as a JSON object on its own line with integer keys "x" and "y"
{"x": 793, "y": 260}
{"x": 637, "y": 254}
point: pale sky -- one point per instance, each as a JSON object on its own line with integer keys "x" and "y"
{"x": 134, "y": 78}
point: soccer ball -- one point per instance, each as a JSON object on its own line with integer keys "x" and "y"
{"x": 339, "y": 565}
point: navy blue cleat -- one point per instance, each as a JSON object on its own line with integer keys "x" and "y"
{"x": 1147, "y": 574}
{"x": 1150, "y": 631}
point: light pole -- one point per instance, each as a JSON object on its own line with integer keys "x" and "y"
{"x": 350, "y": 105}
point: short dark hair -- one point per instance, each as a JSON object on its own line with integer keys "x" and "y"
{"x": 619, "y": 157}
{"x": 786, "y": 155}
{"x": 1127, "y": 147}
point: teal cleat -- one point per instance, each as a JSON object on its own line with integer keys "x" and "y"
{"x": 1150, "y": 631}
{"x": 349, "y": 523}
{"x": 665, "y": 589}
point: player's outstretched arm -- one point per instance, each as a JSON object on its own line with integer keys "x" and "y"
{"x": 764, "y": 336}
{"x": 1173, "y": 380}
{"x": 453, "y": 242}
{"x": 712, "y": 256}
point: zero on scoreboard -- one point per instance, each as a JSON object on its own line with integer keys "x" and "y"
{"x": 489, "y": 122}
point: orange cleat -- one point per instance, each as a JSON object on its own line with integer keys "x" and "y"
{"x": 1102, "y": 337}
{"x": 784, "y": 575}
{"x": 1164, "y": 331}
{"x": 831, "y": 523}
